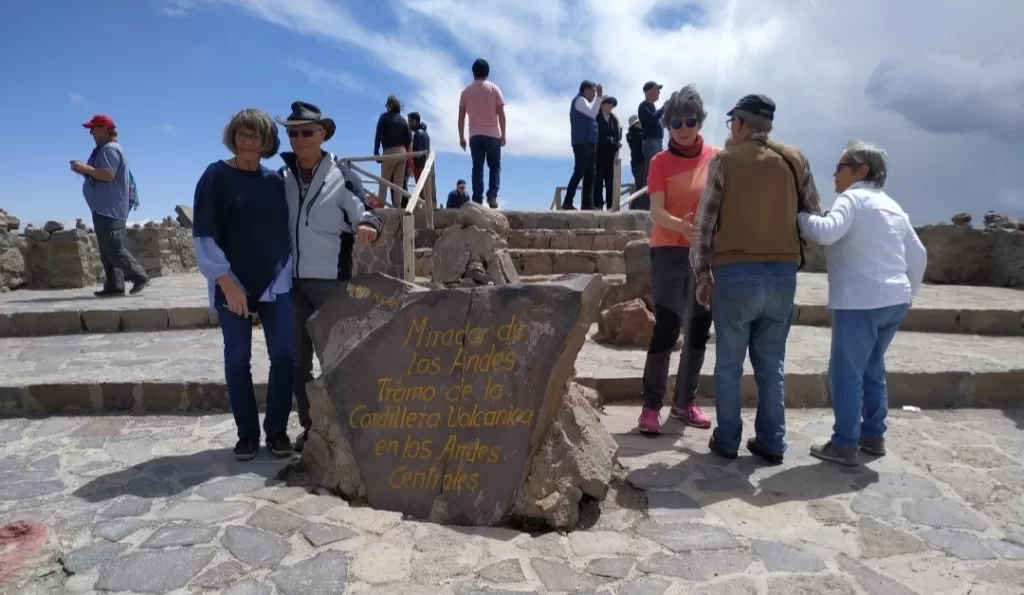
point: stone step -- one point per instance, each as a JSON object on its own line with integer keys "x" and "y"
{"x": 182, "y": 371}
{"x": 180, "y": 302}
{"x": 547, "y": 239}
{"x": 563, "y": 220}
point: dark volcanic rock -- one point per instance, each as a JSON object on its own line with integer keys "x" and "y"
{"x": 439, "y": 397}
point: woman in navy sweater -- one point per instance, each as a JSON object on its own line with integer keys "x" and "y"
{"x": 240, "y": 232}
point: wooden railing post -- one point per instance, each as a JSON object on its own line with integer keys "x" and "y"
{"x": 617, "y": 185}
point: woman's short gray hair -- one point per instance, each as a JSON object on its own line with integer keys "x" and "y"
{"x": 259, "y": 122}
{"x": 684, "y": 103}
{"x": 874, "y": 157}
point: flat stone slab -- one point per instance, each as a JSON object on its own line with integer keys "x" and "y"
{"x": 182, "y": 371}
{"x": 772, "y": 521}
{"x": 180, "y": 302}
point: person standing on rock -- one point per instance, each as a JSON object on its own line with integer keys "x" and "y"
{"x": 394, "y": 136}
{"x": 583, "y": 132}
{"x": 609, "y": 141}
{"x": 876, "y": 265}
{"x": 635, "y": 140}
{"x": 421, "y": 142}
{"x": 675, "y": 183}
{"x": 327, "y": 214}
{"x": 240, "y": 233}
{"x": 107, "y": 191}
{"x": 652, "y": 124}
{"x": 484, "y": 105}
{"x": 748, "y": 250}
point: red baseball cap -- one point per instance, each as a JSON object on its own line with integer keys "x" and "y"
{"x": 101, "y": 120}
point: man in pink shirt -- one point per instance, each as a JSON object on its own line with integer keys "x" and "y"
{"x": 483, "y": 103}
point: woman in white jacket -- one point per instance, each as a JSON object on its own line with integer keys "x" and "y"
{"x": 875, "y": 265}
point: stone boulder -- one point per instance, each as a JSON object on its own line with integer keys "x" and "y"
{"x": 457, "y": 405}
{"x": 962, "y": 218}
{"x": 184, "y": 215}
{"x": 474, "y": 251}
{"x": 12, "y": 255}
{"x": 629, "y": 324}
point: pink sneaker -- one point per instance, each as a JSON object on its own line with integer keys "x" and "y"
{"x": 692, "y": 415}
{"x": 649, "y": 422}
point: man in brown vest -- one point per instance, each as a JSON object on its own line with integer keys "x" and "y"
{"x": 746, "y": 261}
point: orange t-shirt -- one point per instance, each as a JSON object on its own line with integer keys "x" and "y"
{"x": 682, "y": 180}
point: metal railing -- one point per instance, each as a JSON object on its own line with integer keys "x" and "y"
{"x": 618, "y": 187}
{"x": 427, "y": 177}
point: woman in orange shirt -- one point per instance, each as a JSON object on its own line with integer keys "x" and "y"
{"x": 675, "y": 181}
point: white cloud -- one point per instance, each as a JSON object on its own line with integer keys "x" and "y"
{"x": 177, "y": 8}
{"x": 337, "y": 79}
{"x": 169, "y": 128}
{"x": 77, "y": 99}
{"x": 937, "y": 84}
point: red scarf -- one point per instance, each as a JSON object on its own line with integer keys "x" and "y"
{"x": 689, "y": 152}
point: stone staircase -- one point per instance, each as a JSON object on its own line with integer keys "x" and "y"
{"x": 64, "y": 351}
{"x": 552, "y": 242}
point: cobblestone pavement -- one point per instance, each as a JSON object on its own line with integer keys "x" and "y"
{"x": 157, "y": 505}
{"x": 189, "y": 290}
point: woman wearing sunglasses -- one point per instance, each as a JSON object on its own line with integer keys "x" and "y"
{"x": 675, "y": 181}
{"x": 240, "y": 233}
{"x": 327, "y": 214}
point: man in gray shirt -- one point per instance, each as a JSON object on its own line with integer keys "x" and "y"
{"x": 106, "y": 192}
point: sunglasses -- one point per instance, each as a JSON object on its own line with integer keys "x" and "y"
{"x": 689, "y": 123}
{"x": 841, "y": 165}
{"x": 306, "y": 133}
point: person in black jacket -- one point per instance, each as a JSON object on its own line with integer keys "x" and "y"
{"x": 394, "y": 136}
{"x": 635, "y": 140}
{"x": 421, "y": 142}
{"x": 609, "y": 140}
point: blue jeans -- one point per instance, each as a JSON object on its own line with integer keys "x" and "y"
{"x": 277, "y": 322}
{"x": 651, "y": 148}
{"x": 752, "y": 306}
{"x": 856, "y": 371}
{"x": 485, "y": 148}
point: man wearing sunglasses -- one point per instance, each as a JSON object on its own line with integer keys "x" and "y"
{"x": 746, "y": 256}
{"x": 327, "y": 213}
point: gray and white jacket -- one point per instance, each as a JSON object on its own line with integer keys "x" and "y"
{"x": 323, "y": 217}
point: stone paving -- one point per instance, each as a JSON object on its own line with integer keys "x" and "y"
{"x": 157, "y": 505}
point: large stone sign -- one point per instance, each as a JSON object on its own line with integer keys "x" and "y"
{"x": 437, "y": 401}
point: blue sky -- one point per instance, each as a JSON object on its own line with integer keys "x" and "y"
{"x": 171, "y": 83}
{"x": 939, "y": 89}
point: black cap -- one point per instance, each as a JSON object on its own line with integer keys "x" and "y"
{"x": 651, "y": 85}
{"x": 610, "y": 100}
{"x": 460, "y": 183}
{"x": 758, "y": 105}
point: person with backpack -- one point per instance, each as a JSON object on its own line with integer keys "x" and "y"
{"x": 108, "y": 190}
{"x": 745, "y": 257}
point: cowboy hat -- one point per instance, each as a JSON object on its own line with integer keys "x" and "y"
{"x": 307, "y": 113}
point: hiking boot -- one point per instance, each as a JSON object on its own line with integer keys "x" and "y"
{"x": 768, "y": 457}
{"x": 718, "y": 450}
{"x": 103, "y": 293}
{"x": 300, "y": 442}
{"x": 649, "y": 422}
{"x": 138, "y": 286}
{"x": 245, "y": 450}
{"x": 691, "y": 415}
{"x": 280, "y": 445}
{"x": 567, "y": 206}
{"x": 846, "y": 456}
{"x": 492, "y": 201}
{"x": 873, "y": 446}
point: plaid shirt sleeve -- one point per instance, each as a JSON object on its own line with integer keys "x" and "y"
{"x": 707, "y": 220}
{"x": 810, "y": 191}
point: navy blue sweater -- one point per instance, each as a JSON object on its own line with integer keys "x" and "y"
{"x": 650, "y": 120}
{"x": 245, "y": 212}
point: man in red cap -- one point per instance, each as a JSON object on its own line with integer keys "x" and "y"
{"x": 106, "y": 192}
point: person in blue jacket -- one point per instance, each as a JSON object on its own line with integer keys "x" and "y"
{"x": 583, "y": 130}
{"x": 242, "y": 247}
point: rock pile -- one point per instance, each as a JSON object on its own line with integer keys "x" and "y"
{"x": 627, "y": 312}
{"x": 12, "y": 253}
{"x": 475, "y": 251}
{"x": 458, "y": 405}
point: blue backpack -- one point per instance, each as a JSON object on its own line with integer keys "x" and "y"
{"x": 133, "y": 192}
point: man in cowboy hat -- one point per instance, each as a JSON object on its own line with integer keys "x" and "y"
{"x": 327, "y": 214}
{"x": 635, "y": 140}
{"x": 106, "y": 190}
